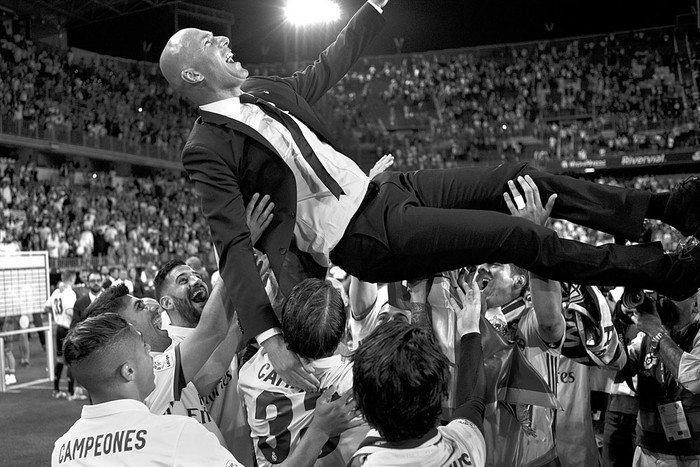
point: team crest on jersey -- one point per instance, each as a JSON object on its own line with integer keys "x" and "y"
{"x": 163, "y": 362}
{"x": 650, "y": 361}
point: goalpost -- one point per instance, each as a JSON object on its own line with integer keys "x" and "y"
{"x": 24, "y": 282}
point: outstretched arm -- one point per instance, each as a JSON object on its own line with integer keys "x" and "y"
{"x": 546, "y": 301}
{"x": 546, "y": 294}
{"x": 334, "y": 62}
{"x": 211, "y": 330}
{"x": 363, "y": 296}
{"x": 471, "y": 383}
{"x": 223, "y": 206}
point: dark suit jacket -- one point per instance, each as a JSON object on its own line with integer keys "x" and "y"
{"x": 79, "y": 308}
{"x": 229, "y": 162}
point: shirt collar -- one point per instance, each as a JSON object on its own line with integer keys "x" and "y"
{"x": 433, "y": 436}
{"x": 228, "y": 107}
{"x": 327, "y": 362}
{"x": 178, "y": 331}
{"x": 113, "y": 407}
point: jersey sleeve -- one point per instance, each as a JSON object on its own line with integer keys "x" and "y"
{"x": 167, "y": 369}
{"x": 466, "y": 434}
{"x": 528, "y": 327}
{"x": 69, "y": 298}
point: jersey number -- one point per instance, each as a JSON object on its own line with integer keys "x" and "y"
{"x": 57, "y": 306}
{"x": 280, "y": 435}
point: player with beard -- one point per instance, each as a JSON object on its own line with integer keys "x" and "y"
{"x": 94, "y": 285}
{"x": 175, "y": 364}
{"x": 182, "y": 293}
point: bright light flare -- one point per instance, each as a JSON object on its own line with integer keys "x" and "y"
{"x": 303, "y": 12}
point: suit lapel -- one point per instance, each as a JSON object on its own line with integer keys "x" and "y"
{"x": 297, "y": 107}
{"x": 235, "y": 125}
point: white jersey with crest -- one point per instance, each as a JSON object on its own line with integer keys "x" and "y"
{"x": 123, "y": 433}
{"x": 279, "y": 414}
{"x": 460, "y": 443}
{"x": 62, "y": 304}
{"x": 224, "y": 405}
{"x": 170, "y": 397}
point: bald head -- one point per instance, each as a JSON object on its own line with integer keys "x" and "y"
{"x": 174, "y": 58}
{"x": 200, "y": 66}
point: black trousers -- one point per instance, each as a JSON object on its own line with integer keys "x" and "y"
{"x": 420, "y": 223}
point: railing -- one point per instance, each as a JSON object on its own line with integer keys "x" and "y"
{"x": 61, "y": 134}
{"x": 76, "y": 263}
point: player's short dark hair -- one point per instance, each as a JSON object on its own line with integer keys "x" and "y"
{"x": 109, "y": 301}
{"x": 68, "y": 274}
{"x": 400, "y": 378}
{"x": 313, "y": 319}
{"x": 162, "y": 274}
{"x": 94, "y": 272}
{"x": 92, "y": 335}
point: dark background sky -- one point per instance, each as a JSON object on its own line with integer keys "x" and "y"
{"x": 259, "y": 33}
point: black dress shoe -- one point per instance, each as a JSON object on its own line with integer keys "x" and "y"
{"x": 683, "y": 208}
{"x": 683, "y": 278}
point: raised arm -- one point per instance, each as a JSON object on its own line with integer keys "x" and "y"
{"x": 220, "y": 360}
{"x": 209, "y": 166}
{"x": 211, "y": 330}
{"x": 363, "y": 296}
{"x": 334, "y": 62}
{"x": 546, "y": 294}
{"x": 546, "y": 301}
{"x": 471, "y": 383}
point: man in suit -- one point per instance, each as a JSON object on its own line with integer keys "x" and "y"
{"x": 94, "y": 285}
{"x": 260, "y": 135}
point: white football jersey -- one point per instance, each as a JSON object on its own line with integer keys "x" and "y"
{"x": 278, "y": 414}
{"x": 62, "y": 304}
{"x": 576, "y": 443}
{"x": 170, "y": 398}
{"x": 460, "y": 443}
{"x": 225, "y": 406}
{"x": 123, "y": 433}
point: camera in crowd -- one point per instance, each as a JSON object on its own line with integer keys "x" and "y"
{"x": 634, "y": 297}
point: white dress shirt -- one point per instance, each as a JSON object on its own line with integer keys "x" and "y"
{"x": 321, "y": 219}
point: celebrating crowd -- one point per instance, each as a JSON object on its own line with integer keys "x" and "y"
{"x": 578, "y": 98}
{"x": 424, "y": 318}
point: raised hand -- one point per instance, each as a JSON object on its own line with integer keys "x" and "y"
{"x": 531, "y": 208}
{"x": 333, "y": 417}
{"x": 382, "y": 164}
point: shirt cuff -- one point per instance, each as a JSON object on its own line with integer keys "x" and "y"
{"x": 376, "y": 7}
{"x": 265, "y": 335}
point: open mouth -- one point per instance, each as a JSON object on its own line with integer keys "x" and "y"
{"x": 199, "y": 294}
{"x": 229, "y": 57}
{"x": 157, "y": 321}
{"x": 483, "y": 280}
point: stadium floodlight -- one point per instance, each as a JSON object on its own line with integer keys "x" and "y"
{"x": 304, "y": 12}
